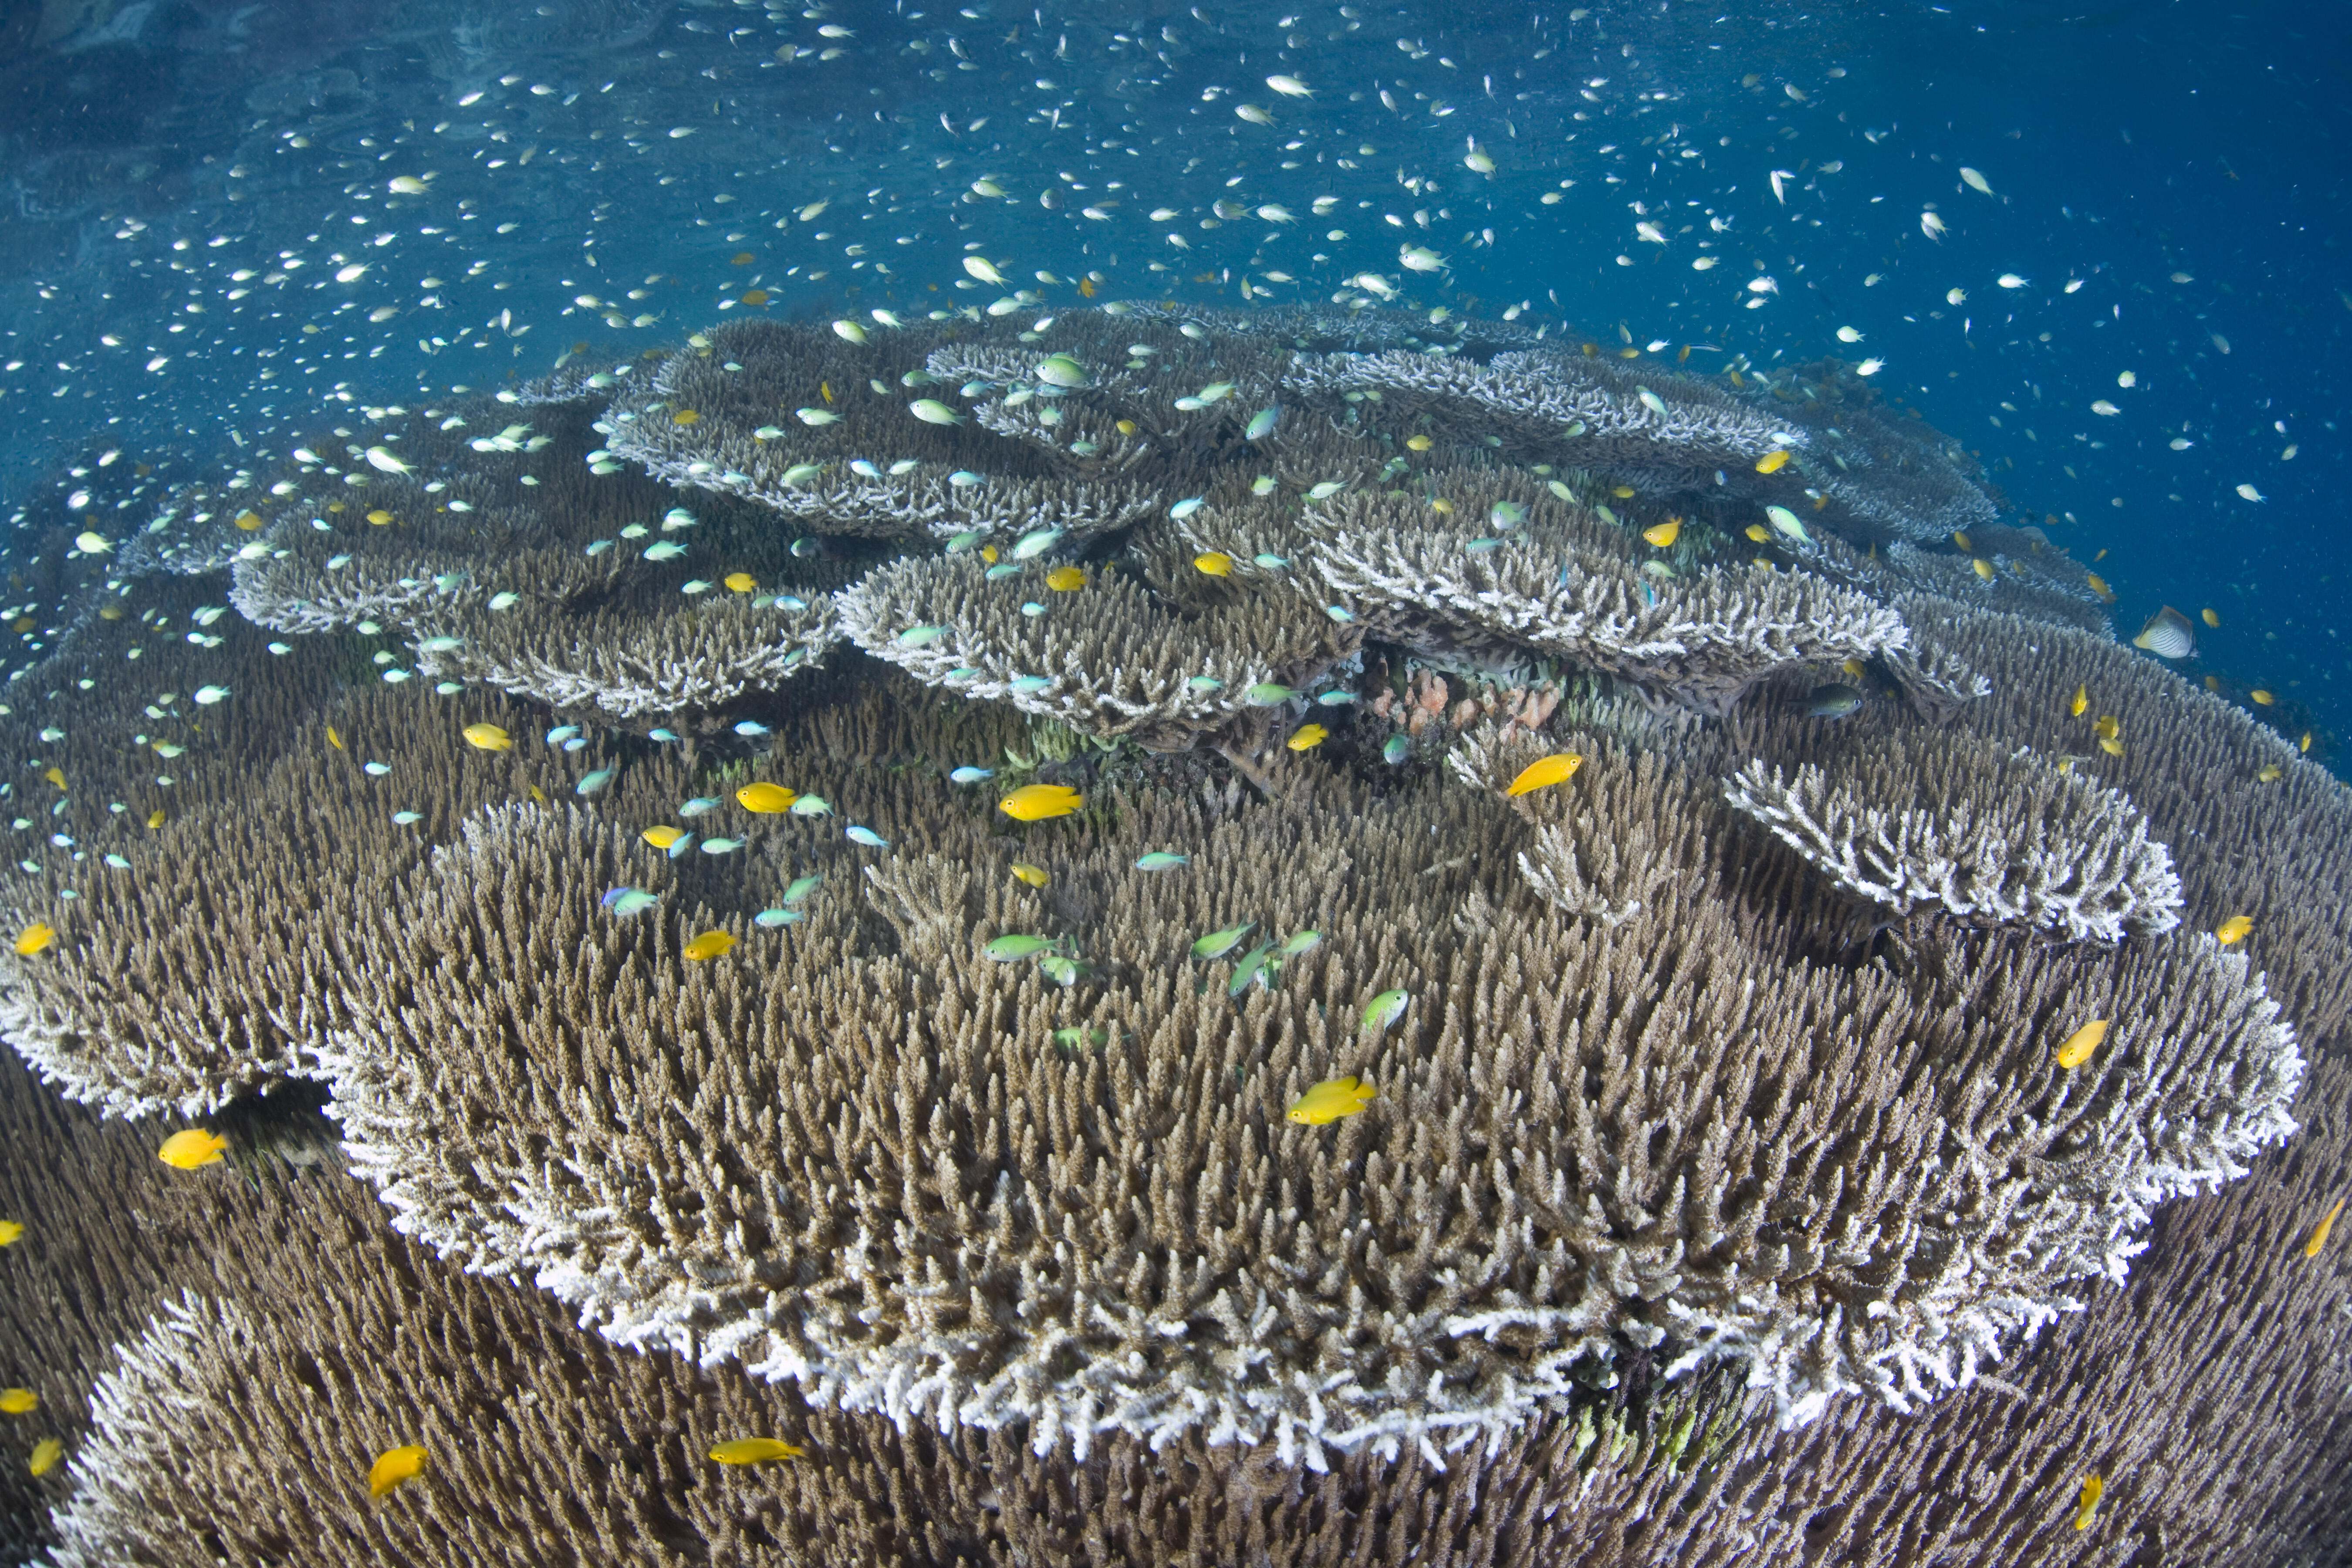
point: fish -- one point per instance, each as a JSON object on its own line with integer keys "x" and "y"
{"x": 1834, "y": 700}
{"x": 857, "y": 834}
{"x": 1786, "y": 521}
{"x": 1267, "y": 694}
{"x": 1976, "y": 181}
{"x": 157, "y": 817}
{"x": 95, "y": 543}
{"x": 2093, "y": 1490}
{"x": 10, "y": 1232}
{"x": 1932, "y": 227}
{"x": 1289, "y": 87}
{"x": 1396, "y": 750}
{"x": 1383, "y": 1010}
{"x": 207, "y": 695}
{"x": 407, "y": 818}
{"x": 488, "y": 738}
{"x": 1545, "y": 772}
{"x": 1061, "y": 970}
{"x": 1218, "y": 944}
{"x": 1062, "y": 371}
{"x": 2261, "y": 697}
{"x": 709, "y": 945}
{"x": 2099, "y": 585}
{"x": 931, "y": 411}
{"x": 626, "y": 901}
{"x": 2111, "y": 746}
{"x": 2320, "y": 1233}
{"x": 1303, "y": 942}
{"x": 1772, "y": 462}
{"x": 2107, "y": 727}
{"x": 19, "y": 1401}
{"x": 662, "y": 837}
{"x": 1253, "y": 967}
{"x": 392, "y": 1467}
{"x": 384, "y": 461}
{"x": 1036, "y": 801}
{"x": 1029, "y": 546}
{"x": 2081, "y": 700}
{"x": 2211, "y": 616}
{"x": 1179, "y": 510}
{"x": 1262, "y": 424}
{"x": 755, "y": 1451}
{"x": 971, "y": 775}
{"x": 1014, "y": 946}
{"x": 982, "y": 268}
{"x": 2271, "y": 773}
{"x": 2247, "y": 492}
{"x": 1330, "y": 1100}
{"x": 2082, "y": 1043}
{"x": 1663, "y": 534}
{"x": 593, "y": 782}
{"x": 771, "y": 919}
{"x": 2167, "y": 635}
{"x": 1306, "y": 737}
{"x": 800, "y": 888}
{"x": 35, "y": 938}
{"x": 1035, "y": 876}
{"x": 1982, "y": 568}
{"x": 812, "y": 806}
{"x": 1326, "y": 490}
{"x": 750, "y": 727}
{"x": 765, "y": 799}
{"x": 1253, "y": 114}
{"x": 192, "y": 1149}
{"x": 45, "y": 1456}
{"x": 2233, "y": 930}
{"x": 718, "y": 846}
{"x": 740, "y": 582}
{"x": 698, "y": 805}
{"x": 1161, "y": 860}
{"x": 1066, "y": 579}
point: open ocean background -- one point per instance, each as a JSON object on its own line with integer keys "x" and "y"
{"x": 2186, "y": 165}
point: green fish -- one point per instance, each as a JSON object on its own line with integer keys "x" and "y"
{"x": 1253, "y": 963}
{"x": 1161, "y": 860}
{"x": 1061, "y": 970}
{"x": 1786, "y": 521}
{"x": 1267, "y": 694}
{"x": 1262, "y": 424}
{"x": 803, "y": 887}
{"x": 1218, "y": 944}
{"x": 1079, "y": 1040}
{"x": 1012, "y": 948}
{"x": 812, "y": 806}
{"x": 918, "y": 636}
{"x": 802, "y": 473}
{"x": 1300, "y": 943}
{"x": 1385, "y": 1009}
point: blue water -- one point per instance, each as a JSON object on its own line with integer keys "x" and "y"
{"x": 155, "y": 150}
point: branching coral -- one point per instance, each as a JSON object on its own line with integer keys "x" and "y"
{"x": 1665, "y": 1108}
{"x": 1105, "y": 659}
{"x": 1976, "y": 835}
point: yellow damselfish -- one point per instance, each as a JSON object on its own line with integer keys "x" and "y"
{"x": 2081, "y": 700}
{"x": 1066, "y": 579}
{"x": 1772, "y": 462}
{"x": 1332, "y": 1099}
{"x": 740, "y": 581}
{"x": 1983, "y": 568}
{"x": 765, "y": 799}
{"x": 1558, "y": 768}
{"x": 35, "y": 938}
{"x": 11, "y": 1231}
{"x": 1663, "y": 533}
{"x": 2233, "y": 930}
{"x": 1035, "y": 802}
{"x": 488, "y": 738}
{"x": 2319, "y": 1235}
{"x": 1035, "y": 876}
{"x": 2211, "y": 618}
{"x": 191, "y": 1149}
{"x": 2262, "y": 699}
{"x": 710, "y": 944}
{"x": 753, "y": 1450}
{"x": 663, "y": 837}
{"x": 2082, "y": 1043}
{"x": 45, "y": 1454}
{"x": 19, "y": 1401}
{"x": 1306, "y": 737}
{"x": 1418, "y": 443}
{"x": 157, "y": 817}
{"x": 392, "y": 1467}
{"x": 2093, "y": 1490}
{"x": 1213, "y": 563}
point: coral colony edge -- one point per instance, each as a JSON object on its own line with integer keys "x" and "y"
{"x": 1160, "y": 936}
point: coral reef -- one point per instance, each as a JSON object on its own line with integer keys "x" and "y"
{"x": 626, "y": 879}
